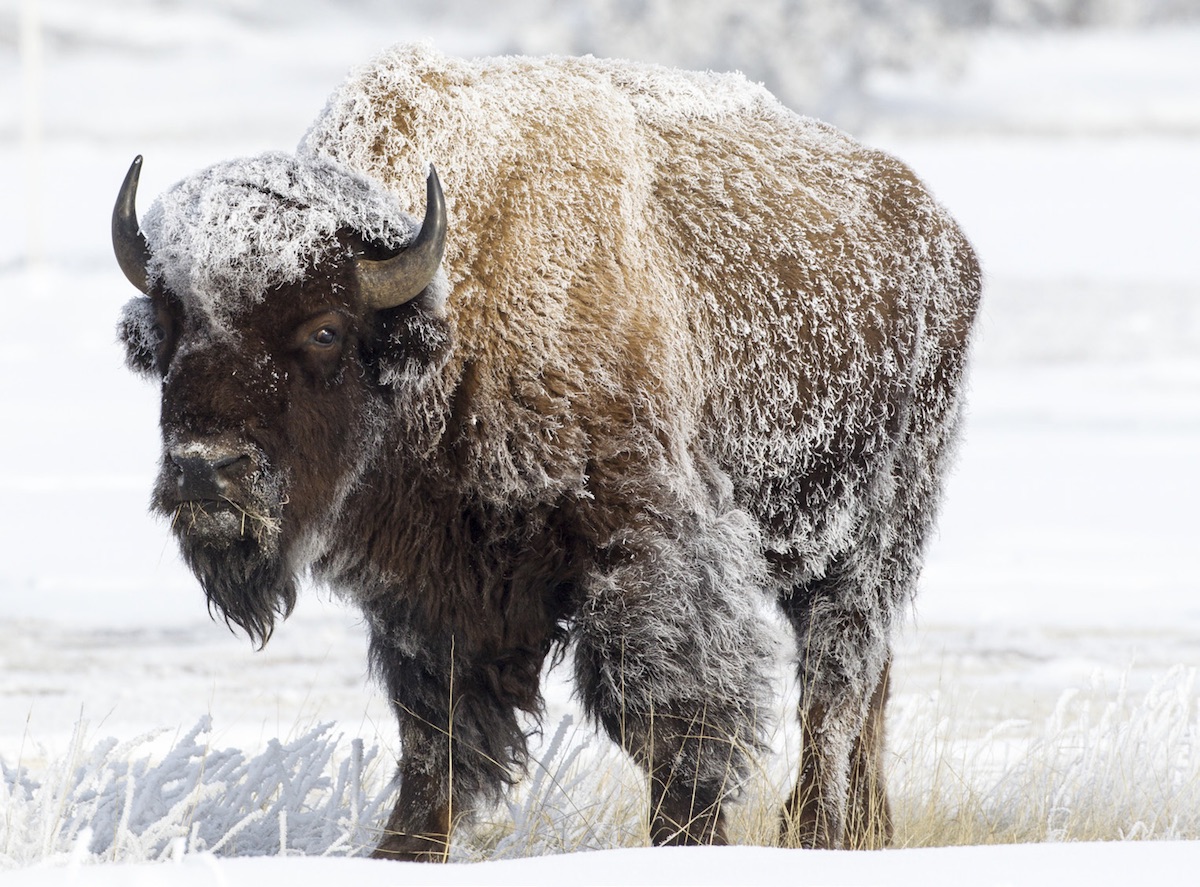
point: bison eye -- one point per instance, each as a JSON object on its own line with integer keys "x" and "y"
{"x": 321, "y": 338}
{"x": 325, "y": 337}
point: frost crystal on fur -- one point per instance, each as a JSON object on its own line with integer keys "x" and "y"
{"x": 690, "y": 352}
{"x": 239, "y": 228}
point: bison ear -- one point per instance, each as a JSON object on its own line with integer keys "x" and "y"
{"x": 137, "y": 331}
{"x": 411, "y": 345}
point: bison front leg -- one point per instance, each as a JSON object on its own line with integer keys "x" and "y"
{"x": 694, "y": 759}
{"x": 686, "y": 802}
{"x": 460, "y": 740}
{"x": 419, "y": 826}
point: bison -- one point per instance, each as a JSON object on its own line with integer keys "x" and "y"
{"x": 664, "y": 351}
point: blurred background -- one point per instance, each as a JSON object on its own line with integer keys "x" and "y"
{"x": 81, "y": 77}
{"x": 1064, "y": 134}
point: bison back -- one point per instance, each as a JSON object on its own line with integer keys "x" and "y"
{"x": 664, "y": 266}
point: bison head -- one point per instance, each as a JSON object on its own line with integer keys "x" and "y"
{"x": 282, "y": 300}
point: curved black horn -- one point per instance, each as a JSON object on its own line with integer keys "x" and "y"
{"x": 133, "y": 254}
{"x": 386, "y": 283}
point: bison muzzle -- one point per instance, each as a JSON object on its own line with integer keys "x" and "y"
{"x": 664, "y": 351}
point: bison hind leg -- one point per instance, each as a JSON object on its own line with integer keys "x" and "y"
{"x": 840, "y": 798}
{"x": 817, "y": 814}
{"x": 869, "y": 823}
{"x": 672, "y": 659}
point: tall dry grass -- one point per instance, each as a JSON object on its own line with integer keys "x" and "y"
{"x": 1106, "y": 764}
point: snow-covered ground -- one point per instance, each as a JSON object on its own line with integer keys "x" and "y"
{"x": 1064, "y": 561}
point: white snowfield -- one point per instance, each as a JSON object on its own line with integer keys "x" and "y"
{"x": 1051, "y": 665}
{"x": 1027, "y": 865}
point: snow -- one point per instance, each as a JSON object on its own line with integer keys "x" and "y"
{"x": 1097, "y": 865}
{"x": 1065, "y": 553}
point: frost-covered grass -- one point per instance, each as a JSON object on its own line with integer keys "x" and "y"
{"x": 111, "y": 801}
{"x": 1105, "y": 765}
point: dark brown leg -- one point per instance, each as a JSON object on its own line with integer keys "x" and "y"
{"x": 671, "y": 659}
{"x": 809, "y": 820}
{"x": 419, "y": 827}
{"x": 678, "y": 821}
{"x": 685, "y": 804}
{"x": 693, "y": 763}
{"x": 430, "y": 843}
{"x": 843, "y": 657}
{"x": 460, "y": 741}
{"x": 869, "y": 814}
{"x": 814, "y": 821}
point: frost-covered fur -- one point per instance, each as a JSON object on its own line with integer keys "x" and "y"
{"x": 237, "y": 229}
{"x": 690, "y": 350}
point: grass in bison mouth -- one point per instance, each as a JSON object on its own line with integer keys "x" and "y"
{"x": 223, "y": 517}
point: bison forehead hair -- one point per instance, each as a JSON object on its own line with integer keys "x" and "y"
{"x": 228, "y": 234}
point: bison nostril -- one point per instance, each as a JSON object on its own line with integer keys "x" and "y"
{"x": 201, "y": 477}
{"x": 230, "y": 467}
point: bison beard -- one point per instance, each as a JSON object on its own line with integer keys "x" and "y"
{"x": 237, "y": 562}
{"x": 235, "y": 550}
{"x": 693, "y": 357}
{"x": 248, "y": 587}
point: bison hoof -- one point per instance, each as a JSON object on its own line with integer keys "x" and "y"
{"x": 412, "y": 848}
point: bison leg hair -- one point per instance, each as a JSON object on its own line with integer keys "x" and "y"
{"x": 419, "y": 826}
{"x": 671, "y": 659}
{"x": 685, "y": 807}
{"x": 843, "y": 655}
{"x": 418, "y": 829}
{"x": 460, "y": 739}
{"x": 869, "y": 814}
{"x": 840, "y": 798}
{"x": 843, "y": 624}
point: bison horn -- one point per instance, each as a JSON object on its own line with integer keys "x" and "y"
{"x": 133, "y": 253}
{"x": 386, "y": 283}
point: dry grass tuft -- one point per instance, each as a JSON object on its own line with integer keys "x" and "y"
{"x": 1103, "y": 766}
